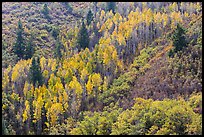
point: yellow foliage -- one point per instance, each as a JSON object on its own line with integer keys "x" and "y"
{"x": 26, "y": 111}
{"x": 45, "y": 73}
{"x": 102, "y": 14}
{"x": 15, "y": 96}
{"x": 94, "y": 81}
{"x": 89, "y": 86}
{"x": 42, "y": 63}
{"x": 84, "y": 74}
{"x": 114, "y": 55}
{"x": 15, "y": 75}
{"x": 53, "y": 66}
{"x": 105, "y": 84}
{"x": 25, "y": 89}
{"x": 53, "y": 113}
{"x": 76, "y": 86}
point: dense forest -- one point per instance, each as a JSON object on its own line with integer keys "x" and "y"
{"x": 102, "y": 68}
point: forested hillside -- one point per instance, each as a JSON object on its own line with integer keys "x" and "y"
{"x": 102, "y": 68}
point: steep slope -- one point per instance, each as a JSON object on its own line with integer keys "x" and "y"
{"x": 154, "y": 75}
{"x": 170, "y": 77}
{"x": 34, "y": 21}
{"x": 123, "y": 83}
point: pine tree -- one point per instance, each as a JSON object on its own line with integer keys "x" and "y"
{"x": 83, "y": 37}
{"x": 35, "y": 73}
{"x": 4, "y": 128}
{"x": 111, "y": 6}
{"x": 55, "y": 32}
{"x": 45, "y": 11}
{"x": 30, "y": 48}
{"x": 58, "y": 53}
{"x": 39, "y": 73}
{"x": 68, "y": 7}
{"x": 179, "y": 40}
{"x": 89, "y": 17}
{"x": 19, "y": 47}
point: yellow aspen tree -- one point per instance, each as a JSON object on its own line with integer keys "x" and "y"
{"x": 84, "y": 74}
{"x": 105, "y": 84}
{"x": 89, "y": 86}
{"x": 26, "y": 113}
{"x": 53, "y": 114}
{"x": 25, "y": 89}
{"x": 5, "y": 78}
{"x": 76, "y": 86}
{"x": 42, "y": 63}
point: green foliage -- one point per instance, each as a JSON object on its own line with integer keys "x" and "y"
{"x": 156, "y": 117}
{"x": 97, "y": 123}
{"x": 45, "y": 11}
{"x": 195, "y": 100}
{"x": 35, "y": 72}
{"x": 111, "y": 6}
{"x": 179, "y": 40}
{"x": 89, "y": 17}
{"x": 58, "y": 53}
{"x": 93, "y": 86}
{"x": 83, "y": 37}
{"x": 4, "y": 128}
{"x": 19, "y": 47}
{"x": 30, "y": 50}
{"x": 68, "y": 7}
{"x": 55, "y": 32}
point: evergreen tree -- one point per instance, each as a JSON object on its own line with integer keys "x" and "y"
{"x": 89, "y": 17}
{"x": 4, "y": 128}
{"x": 58, "y": 53}
{"x": 55, "y": 32}
{"x": 35, "y": 73}
{"x": 179, "y": 40}
{"x": 45, "y": 11}
{"x": 30, "y": 48}
{"x": 111, "y": 6}
{"x": 83, "y": 37}
{"x": 19, "y": 47}
{"x": 68, "y": 7}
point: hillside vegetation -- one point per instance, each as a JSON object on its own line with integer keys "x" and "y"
{"x": 102, "y": 68}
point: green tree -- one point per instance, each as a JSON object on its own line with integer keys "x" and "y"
{"x": 68, "y": 7}
{"x": 111, "y": 6}
{"x": 55, "y": 32}
{"x": 58, "y": 47}
{"x": 83, "y": 37}
{"x": 89, "y": 17}
{"x": 30, "y": 48}
{"x": 179, "y": 40}
{"x": 4, "y": 128}
{"x": 35, "y": 73}
{"x": 45, "y": 11}
{"x": 19, "y": 47}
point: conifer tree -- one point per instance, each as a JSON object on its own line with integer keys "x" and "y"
{"x": 89, "y": 17}
{"x": 179, "y": 40}
{"x": 30, "y": 48}
{"x": 35, "y": 73}
{"x": 83, "y": 37}
{"x": 19, "y": 47}
{"x": 45, "y": 11}
{"x": 55, "y": 32}
{"x": 111, "y": 6}
{"x": 68, "y": 7}
{"x": 58, "y": 47}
